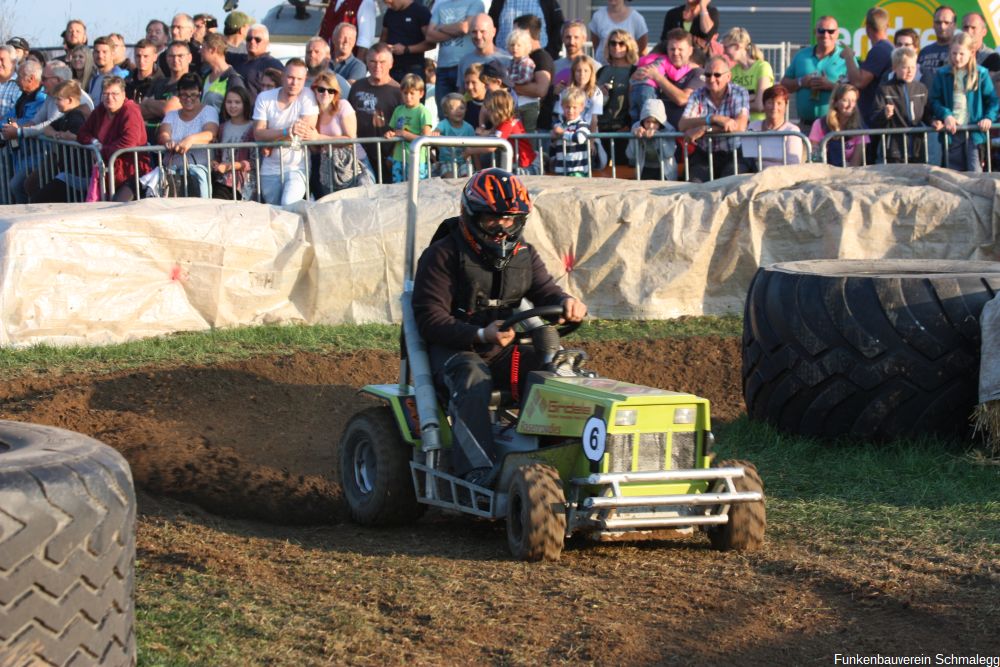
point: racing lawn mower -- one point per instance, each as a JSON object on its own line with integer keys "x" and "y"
{"x": 579, "y": 454}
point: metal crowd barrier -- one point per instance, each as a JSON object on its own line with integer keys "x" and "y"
{"x": 80, "y": 166}
{"x": 541, "y": 140}
{"x": 184, "y": 164}
{"x": 39, "y": 160}
{"x": 882, "y": 136}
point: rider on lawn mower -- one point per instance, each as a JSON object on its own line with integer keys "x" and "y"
{"x": 467, "y": 283}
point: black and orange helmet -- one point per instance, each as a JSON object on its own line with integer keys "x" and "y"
{"x": 495, "y": 193}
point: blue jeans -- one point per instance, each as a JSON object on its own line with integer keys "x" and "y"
{"x": 197, "y": 178}
{"x": 447, "y": 83}
{"x": 275, "y": 192}
{"x": 963, "y": 153}
{"x": 637, "y": 96}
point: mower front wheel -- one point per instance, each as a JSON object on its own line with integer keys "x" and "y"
{"x": 747, "y": 521}
{"x": 536, "y": 513}
{"x": 375, "y": 470}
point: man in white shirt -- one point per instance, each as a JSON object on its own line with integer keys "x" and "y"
{"x": 285, "y": 114}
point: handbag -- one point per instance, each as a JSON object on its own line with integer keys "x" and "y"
{"x": 94, "y": 186}
{"x": 339, "y": 168}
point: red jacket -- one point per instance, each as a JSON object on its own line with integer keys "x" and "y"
{"x": 125, "y": 129}
{"x": 347, "y": 13}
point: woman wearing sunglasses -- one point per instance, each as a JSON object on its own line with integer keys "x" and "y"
{"x": 617, "y": 15}
{"x": 613, "y": 79}
{"x": 334, "y": 167}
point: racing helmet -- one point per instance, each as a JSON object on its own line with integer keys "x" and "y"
{"x": 489, "y": 193}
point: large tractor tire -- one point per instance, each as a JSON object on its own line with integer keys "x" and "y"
{"x": 67, "y": 549}
{"x": 536, "y": 513}
{"x": 870, "y": 349}
{"x": 747, "y": 521}
{"x": 375, "y": 470}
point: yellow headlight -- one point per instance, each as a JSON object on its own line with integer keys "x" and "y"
{"x": 684, "y": 415}
{"x": 625, "y": 418}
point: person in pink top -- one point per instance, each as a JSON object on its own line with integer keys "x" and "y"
{"x": 336, "y": 120}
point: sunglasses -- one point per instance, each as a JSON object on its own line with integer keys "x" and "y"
{"x": 329, "y": 91}
{"x": 617, "y": 43}
{"x": 715, "y": 75}
{"x": 255, "y": 39}
{"x": 827, "y": 31}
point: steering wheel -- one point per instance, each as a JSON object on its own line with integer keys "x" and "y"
{"x": 549, "y": 312}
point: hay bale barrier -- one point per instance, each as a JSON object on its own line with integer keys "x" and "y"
{"x": 987, "y": 415}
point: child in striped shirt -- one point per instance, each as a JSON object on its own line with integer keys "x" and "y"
{"x": 570, "y": 148}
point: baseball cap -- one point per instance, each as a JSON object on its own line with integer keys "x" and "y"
{"x": 19, "y": 43}
{"x": 235, "y": 21}
{"x": 495, "y": 70}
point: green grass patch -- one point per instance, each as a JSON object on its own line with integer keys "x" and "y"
{"x": 186, "y": 618}
{"x": 220, "y": 345}
{"x": 924, "y": 490}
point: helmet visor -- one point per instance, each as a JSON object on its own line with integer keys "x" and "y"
{"x": 500, "y": 227}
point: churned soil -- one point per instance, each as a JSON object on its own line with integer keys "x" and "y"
{"x": 234, "y": 464}
{"x": 257, "y": 438}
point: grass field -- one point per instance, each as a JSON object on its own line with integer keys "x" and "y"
{"x": 859, "y": 536}
{"x": 238, "y": 343}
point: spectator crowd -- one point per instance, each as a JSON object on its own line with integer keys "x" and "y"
{"x": 520, "y": 69}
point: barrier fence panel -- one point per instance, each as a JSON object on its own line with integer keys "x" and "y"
{"x": 244, "y": 170}
{"x": 201, "y": 171}
{"x": 58, "y": 169}
{"x": 882, "y": 149}
{"x": 764, "y": 153}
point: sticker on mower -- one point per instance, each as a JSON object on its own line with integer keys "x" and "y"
{"x": 595, "y": 436}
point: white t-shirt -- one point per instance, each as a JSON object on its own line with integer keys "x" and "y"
{"x": 773, "y": 150}
{"x": 180, "y": 129}
{"x": 266, "y": 108}
{"x": 602, "y": 25}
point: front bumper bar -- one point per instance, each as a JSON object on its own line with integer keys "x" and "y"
{"x": 612, "y": 510}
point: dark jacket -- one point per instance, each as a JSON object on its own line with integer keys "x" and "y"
{"x": 136, "y": 89}
{"x": 675, "y": 19}
{"x": 252, "y": 71}
{"x": 436, "y": 291}
{"x": 912, "y": 108}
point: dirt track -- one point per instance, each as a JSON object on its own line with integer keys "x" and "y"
{"x": 255, "y": 439}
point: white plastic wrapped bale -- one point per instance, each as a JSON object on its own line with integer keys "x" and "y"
{"x": 987, "y": 416}
{"x": 103, "y": 273}
{"x": 358, "y": 238}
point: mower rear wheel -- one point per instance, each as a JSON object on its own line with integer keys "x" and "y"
{"x": 536, "y": 513}
{"x": 375, "y": 470}
{"x": 747, "y": 521}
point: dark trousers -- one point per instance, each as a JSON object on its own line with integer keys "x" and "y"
{"x": 447, "y": 82}
{"x": 469, "y": 380}
{"x": 723, "y": 164}
{"x": 963, "y": 153}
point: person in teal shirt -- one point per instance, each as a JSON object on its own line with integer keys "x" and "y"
{"x": 410, "y": 120}
{"x": 814, "y": 73}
